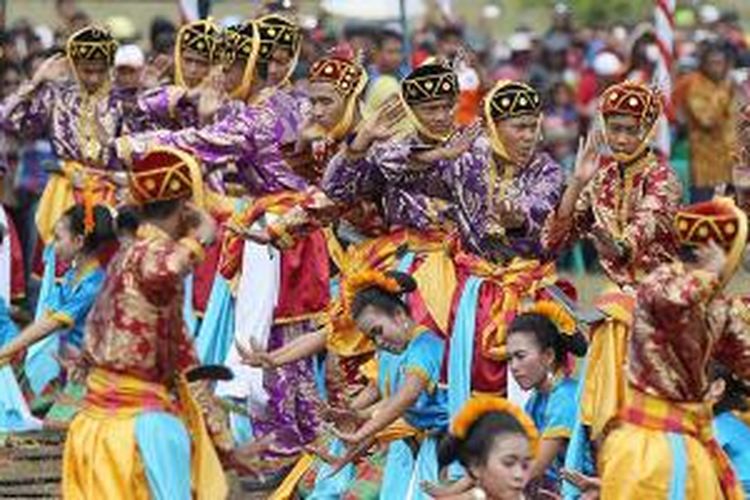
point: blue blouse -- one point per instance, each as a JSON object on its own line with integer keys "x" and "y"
{"x": 423, "y": 357}
{"x": 734, "y": 437}
{"x": 71, "y": 300}
{"x": 554, "y": 414}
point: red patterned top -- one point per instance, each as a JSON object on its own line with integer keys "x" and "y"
{"x": 679, "y": 324}
{"x": 136, "y": 326}
{"x": 636, "y": 205}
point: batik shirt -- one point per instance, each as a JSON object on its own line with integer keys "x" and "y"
{"x": 679, "y": 324}
{"x": 412, "y": 196}
{"x": 637, "y": 204}
{"x": 79, "y": 125}
{"x": 136, "y": 327}
{"x": 534, "y": 191}
{"x": 247, "y": 137}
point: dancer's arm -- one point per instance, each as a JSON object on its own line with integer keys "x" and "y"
{"x": 36, "y": 331}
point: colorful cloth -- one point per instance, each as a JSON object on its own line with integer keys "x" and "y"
{"x": 635, "y": 203}
{"x": 290, "y": 106}
{"x": 683, "y": 458}
{"x": 733, "y": 435}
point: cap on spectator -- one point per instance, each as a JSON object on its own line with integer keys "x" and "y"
{"x": 129, "y": 55}
{"x": 519, "y": 42}
{"x": 709, "y": 14}
{"x": 607, "y": 64}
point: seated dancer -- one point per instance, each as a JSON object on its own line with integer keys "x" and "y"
{"x": 84, "y": 236}
{"x": 663, "y": 444}
{"x": 79, "y": 117}
{"x": 401, "y": 410}
{"x": 540, "y": 343}
{"x": 729, "y": 394}
{"x": 504, "y": 189}
{"x": 625, "y": 204}
{"x": 496, "y": 442}
{"x": 140, "y": 432}
{"x": 197, "y": 49}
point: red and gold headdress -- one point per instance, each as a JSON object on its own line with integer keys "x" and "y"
{"x": 202, "y": 36}
{"x": 92, "y": 43}
{"x": 164, "y": 174}
{"x": 719, "y": 220}
{"x": 476, "y": 407}
{"x": 344, "y": 71}
{"x": 637, "y": 100}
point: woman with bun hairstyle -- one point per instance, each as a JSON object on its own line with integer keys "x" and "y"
{"x": 81, "y": 236}
{"x": 402, "y": 409}
{"x": 495, "y": 442}
{"x": 540, "y": 342}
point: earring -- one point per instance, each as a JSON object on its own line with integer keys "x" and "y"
{"x": 478, "y": 494}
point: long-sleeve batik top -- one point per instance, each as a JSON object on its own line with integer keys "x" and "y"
{"x": 78, "y": 124}
{"x": 246, "y": 137}
{"x": 412, "y": 196}
{"x": 636, "y": 204}
{"x": 533, "y": 190}
{"x": 164, "y": 107}
{"x": 136, "y": 326}
{"x": 679, "y": 325}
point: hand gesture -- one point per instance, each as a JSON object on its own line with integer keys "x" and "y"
{"x": 381, "y": 125}
{"x": 201, "y": 225}
{"x": 155, "y": 71}
{"x": 588, "y": 485}
{"x": 588, "y": 156}
{"x": 53, "y": 68}
{"x": 509, "y": 216}
{"x": 212, "y": 94}
{"x": 457, "y": 147}
{"x": 254, "y": 355}
{"x": 712, "y": 258}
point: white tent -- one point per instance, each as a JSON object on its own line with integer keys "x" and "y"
{"x": 373, "y": 10}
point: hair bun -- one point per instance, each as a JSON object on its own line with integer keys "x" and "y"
{"x": 576, "y": 344}
{"x": 405, "y": 281}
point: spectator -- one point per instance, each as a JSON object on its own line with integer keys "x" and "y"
{"x": 384, "y": 77}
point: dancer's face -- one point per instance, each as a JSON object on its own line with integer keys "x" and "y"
{"x": 92, "y": 75}
{"x": 195, "y": 67}
{"x": 233, "y": 74}
{"x": 519, "y": 135}
{"x": 279, "y": 66}
{"x": 624, "y": 134}
{"x": 327, "y": 104}
{"x": 529, "y": 364}
{"x": 390, "y": 332}
{"x": 436, "y": 116}
{"x": 67, "y": 243}
{"x": 505, "y": 473}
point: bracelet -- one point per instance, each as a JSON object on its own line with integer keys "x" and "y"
{"x": 195, "y": 248}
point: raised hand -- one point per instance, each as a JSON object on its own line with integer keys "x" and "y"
{"x": 53, "y": 68}
{"x": 212, "y": 94}
{"x": 588, "y": 156}
{"x": 155, "y": 71}
{"x": 380, "y": 126}
{"x": 457, "y": 147}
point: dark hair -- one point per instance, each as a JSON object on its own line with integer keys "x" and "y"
{"x": 384, "y": 300}
{"x": 160, "y": 209}
{"x": 104, "y": 228}
{"x": 386, "y": 34}
{"x": 735, "y": 391}
{"x": 547, "y": 335}
{"x": 475, "y": 448}
{"x": 127, "y": 219}
{"x": 6, "y": 66}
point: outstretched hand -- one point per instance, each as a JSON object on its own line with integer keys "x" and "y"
{"x": 255, "y": 356}
{"x": 588, "y": 156}
{"x": 53, "y": 68}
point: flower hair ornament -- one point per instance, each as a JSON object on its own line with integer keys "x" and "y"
{"x": 368, "y": 279}
{"x": 476, "y": 407}
{"x": 556, "y": 313}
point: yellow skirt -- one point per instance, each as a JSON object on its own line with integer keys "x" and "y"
{"x": 643, "y": 464}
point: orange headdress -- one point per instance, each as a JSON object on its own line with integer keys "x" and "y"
{"x": 164, "y": 174}
{"x": 637, "y": 100}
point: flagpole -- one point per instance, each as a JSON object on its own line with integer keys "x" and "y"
{"x": 664, "y": 28}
